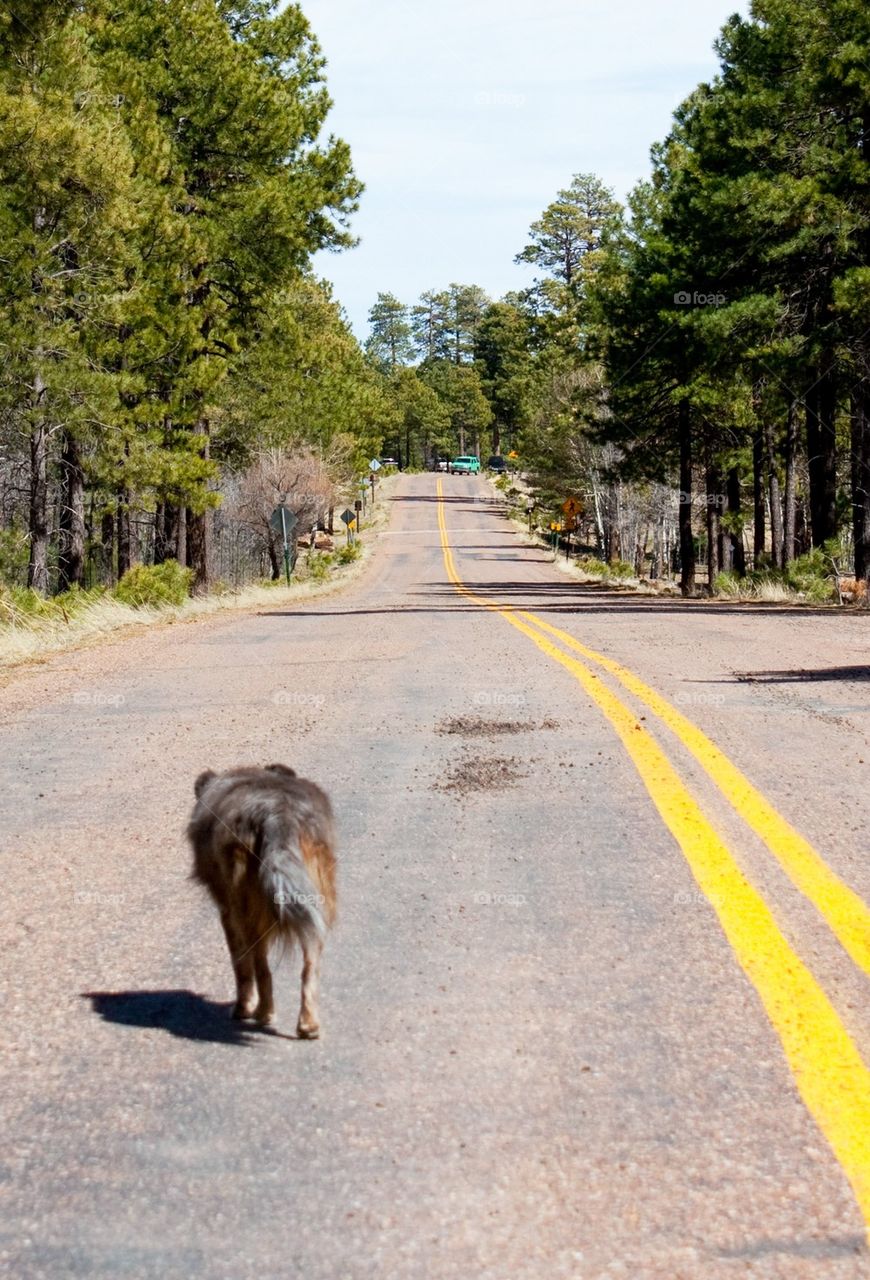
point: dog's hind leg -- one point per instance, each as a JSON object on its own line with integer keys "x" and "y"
{"x": 242, "y": 956}
{"x": 265, "y": 1010}
{"x": 308, "y": 1027}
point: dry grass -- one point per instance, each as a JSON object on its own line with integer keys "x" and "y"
{"x": 28, "y": 638}
{"x": 772, "y": 593}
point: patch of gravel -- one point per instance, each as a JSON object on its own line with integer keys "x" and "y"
{"x": 482, "y": 773}
{"x": 477, "y": 727}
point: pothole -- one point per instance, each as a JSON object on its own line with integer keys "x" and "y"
{"x": 482, "y": 773}
{"x": 478, "y": 727}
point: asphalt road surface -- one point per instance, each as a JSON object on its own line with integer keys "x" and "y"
{"x": 596, "y": 1004}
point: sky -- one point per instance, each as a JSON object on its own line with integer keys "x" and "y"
{"x": 466, "y": 117}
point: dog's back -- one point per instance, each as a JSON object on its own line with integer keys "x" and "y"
{"x": 263, "y": 841}
{"x": 264, "y": 846}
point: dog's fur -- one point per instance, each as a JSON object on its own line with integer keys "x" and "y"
{"x": 264, "y": 847}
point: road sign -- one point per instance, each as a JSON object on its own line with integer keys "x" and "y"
{"x": 348, "y": 516}
{"x": 572, "y": 507}
{"x": 285, "y": 521}
{"x": 283, "y": 518}
{"x": 374, "y": 465}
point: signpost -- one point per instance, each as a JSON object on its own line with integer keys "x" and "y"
{"x": 284, "y": 521}
{"x": 349, "y": 520}
{"x": 573, "y": 508}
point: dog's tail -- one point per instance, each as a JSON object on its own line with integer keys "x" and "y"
{"x": 287, "y": 885}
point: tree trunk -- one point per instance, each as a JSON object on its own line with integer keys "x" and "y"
{"x": 199, "y": 550}
{"x": 600, "y": 532}
{"x": 860, "y": 445}
{"x": 107, "y": 548}
{"x": 125, "y": 549}
{"x": 614, "y": 541}
{"x": 274, "y": 564}
{"x": 199, "y": 532}
{"x": 821, "y": 402}
{"x": 802, "y": 536}
{"x": 181, "y": 538}
{"x": 37, "y": 568}
{"x": 774, "y": 495}
{"x": 738, "y": 553}
{"x": 38, "y": 529}
{"x": 614, "y": 551}
{"x": 71, "y": 565}
{"x": 166, "y": 532}
{"x": 640, "y": 551}
{"x": 714, "y": 513}
{"x": 655, "y": 567}
{"x": 687, "y": 542}
{"x": 789, "y": 513}
{"x": 759, "y": 514}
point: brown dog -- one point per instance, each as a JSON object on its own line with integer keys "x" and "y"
{"x": 264, "y": 847}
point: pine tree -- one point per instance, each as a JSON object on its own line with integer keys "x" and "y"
{"x": 390, "y": 342}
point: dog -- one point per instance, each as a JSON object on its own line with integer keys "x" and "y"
{"x": 264, "y": 847}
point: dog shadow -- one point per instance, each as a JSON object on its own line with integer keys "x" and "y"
{"x": 180, "y": 1013}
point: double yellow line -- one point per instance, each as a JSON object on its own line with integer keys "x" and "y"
{"x": 828, "y": 1069}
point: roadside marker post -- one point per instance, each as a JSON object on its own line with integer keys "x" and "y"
{"x": 284, "y": 521}
{"x": 359, "y": 507}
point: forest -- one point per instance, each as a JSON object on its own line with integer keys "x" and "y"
{"x": 692, "y": 365}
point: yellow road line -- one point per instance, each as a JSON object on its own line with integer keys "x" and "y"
{"x": 845, "y": 911}
{"x": 831, "y": 1077}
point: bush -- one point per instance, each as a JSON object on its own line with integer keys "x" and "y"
{"x": 23, "y": 604}
{"x": 620, "y": 569}
{"x": 319, "y": 566}
{"x": 813, "y": 575}
{"x": 156, "y": 585}
{"x": 728, "y": 583}
{"x": 594, "y": 566}
{"x": 348, "y": 554}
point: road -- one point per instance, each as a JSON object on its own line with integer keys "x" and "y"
{"x": 596, "y": 1004}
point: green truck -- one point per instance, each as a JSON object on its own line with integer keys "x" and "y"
{"x": 465, "y": 466}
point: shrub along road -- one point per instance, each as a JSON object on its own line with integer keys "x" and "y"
{"x": 596, "y": 1003}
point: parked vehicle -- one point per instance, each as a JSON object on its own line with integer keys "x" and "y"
{"x": 497, "y": 464}
{"x": 467, "y": 465}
